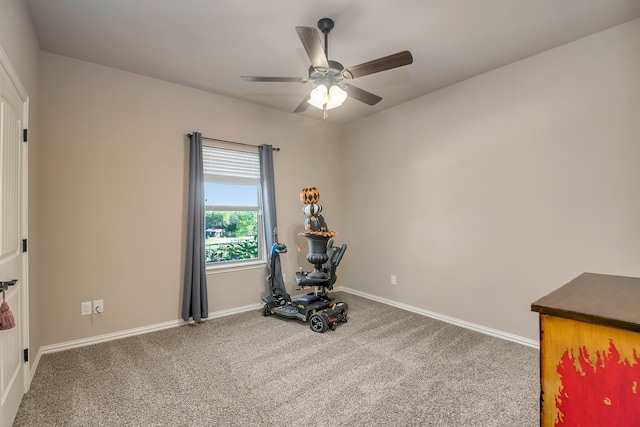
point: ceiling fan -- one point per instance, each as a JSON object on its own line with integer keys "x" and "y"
{"x": 330, "y": 76}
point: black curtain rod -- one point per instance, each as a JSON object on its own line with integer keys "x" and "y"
{"x": 232, "y": 142}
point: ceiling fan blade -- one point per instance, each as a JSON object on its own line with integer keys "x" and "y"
{"x": 313, "y": 45}
{"x": 303, "y": 105}
{"x": 275, "y": 79}
{"x": 361, "y": 94}
{"x": 381, "y": 64}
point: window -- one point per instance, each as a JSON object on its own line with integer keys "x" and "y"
{"x": 233, "y": 220}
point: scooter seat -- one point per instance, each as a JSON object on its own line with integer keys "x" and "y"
{"x": 303, "y": 279}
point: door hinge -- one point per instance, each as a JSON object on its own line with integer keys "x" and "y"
{"x": 24, "y": 135}
{"x": 24, "y": 245}
{"x": 26, "y": 354}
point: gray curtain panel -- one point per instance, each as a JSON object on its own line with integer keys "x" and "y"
{"x": 265, "y": 153}
{"x": 195, "y": 303}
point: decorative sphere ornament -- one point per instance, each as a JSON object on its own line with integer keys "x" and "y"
{"x": 309, "y": 195}
{"x": 312, "y": 209}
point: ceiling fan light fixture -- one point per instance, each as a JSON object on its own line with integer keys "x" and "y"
{"x": 323, "y": 98}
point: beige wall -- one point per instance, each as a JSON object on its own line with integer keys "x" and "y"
{"x": 486, "y": 195}
{"x": 18, "y": 40}
{"x": 114, "y": 188}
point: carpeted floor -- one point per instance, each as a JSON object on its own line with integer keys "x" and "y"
{"x": 386, "y": 366}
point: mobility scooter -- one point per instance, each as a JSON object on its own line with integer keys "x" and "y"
{"x": 317, "y": 308}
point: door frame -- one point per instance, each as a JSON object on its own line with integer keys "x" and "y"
{"x": 23, "y": 317}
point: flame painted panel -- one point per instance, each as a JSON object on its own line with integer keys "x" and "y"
{"x": 590, "y": 374}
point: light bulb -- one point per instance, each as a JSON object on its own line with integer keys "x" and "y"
{"x": 318, "y": 96}
{"x": 336, "y": 97}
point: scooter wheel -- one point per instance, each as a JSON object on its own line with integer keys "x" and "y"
{"x": 318, "y": 322}
{"x": 266, "y": 311}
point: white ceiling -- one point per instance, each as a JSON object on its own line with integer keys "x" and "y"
{"x": 209, "y": 44}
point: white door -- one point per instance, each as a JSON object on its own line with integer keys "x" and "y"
{"x": 13, "y": 229}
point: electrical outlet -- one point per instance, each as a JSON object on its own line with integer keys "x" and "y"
{"x": 98, "y": 306}
{"x": 284, "y": 277}
{"x": 85, "y": 308}
{"x": 394, "y": 280}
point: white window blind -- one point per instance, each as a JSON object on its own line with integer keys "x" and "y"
{"x": 230, "y": 166}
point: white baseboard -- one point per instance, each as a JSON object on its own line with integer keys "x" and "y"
{"x": 462, "y": 323}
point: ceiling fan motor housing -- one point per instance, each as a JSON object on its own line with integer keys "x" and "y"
{"x": 334, "y": 72}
